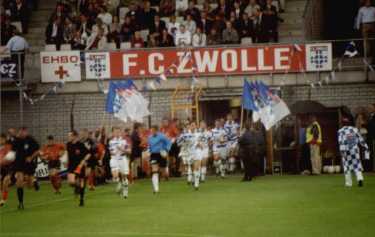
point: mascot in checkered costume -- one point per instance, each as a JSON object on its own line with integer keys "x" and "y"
{"x": 349, "y": 141}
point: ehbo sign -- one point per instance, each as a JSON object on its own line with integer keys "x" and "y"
{"x": 60, "y": 66}
{"x": 211, "y": 61}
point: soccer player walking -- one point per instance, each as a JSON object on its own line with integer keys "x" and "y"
{"x": 120, "y": 149}
{"x": 52, "y": 152}
{"x": 349, "y": 141}
{"x": 219, "y": 148}
{"x": 7, "y": 157}
{"x": 78, "y": 155}
{"x": 159, "y": 146}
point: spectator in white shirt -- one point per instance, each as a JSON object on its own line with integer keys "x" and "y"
{"x": 182, "y": 5}
{"x": 105, "y": 16}
{"x": 99, "y": 24}
{"x": 190, "y": 24}
{"x": 252, "y": 8}
{"x": 173, "y": 26}
{"x": 366, "y": 23}
{"x": 97, "y": 40}
{"x": 199, "y": 38}
{"x": 183, "y": 37}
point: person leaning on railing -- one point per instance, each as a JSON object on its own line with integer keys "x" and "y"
{"x": 17, "y": 46}
{"x": 366, "y": 23}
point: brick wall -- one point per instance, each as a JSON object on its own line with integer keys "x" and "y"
{"x": 52, "y": 115}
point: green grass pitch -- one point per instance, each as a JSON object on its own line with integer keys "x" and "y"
{"x": 271, "y": 206}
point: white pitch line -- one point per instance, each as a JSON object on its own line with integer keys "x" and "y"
{"x": 96, "y": 233}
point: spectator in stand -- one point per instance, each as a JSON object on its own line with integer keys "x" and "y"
{"x": 167, "y": 8}
{"x": 77, "y": 43}
{"x": 7, "y": 30}
{"x": 252, "y": 8}
{"x": 193, "y": 12}
{"x": 127, "y": 30}
{"x": 137, "y": 41}
{"x": 181, "y": 6}
{"x": 100, "y": 25}
{"x": 222, "y": 9}
{"x": 199, "y": 38}
{"x": 218, "y": 23}
{"x": 190, "y": 24}
{"x": 260, "y": 29}
{"x": 91, "y": 13}
{"x": 105, "y": 16}
{"x": 97, "y": 40}
{"x": 173, "y": 26}
{"x": 157, "y": 26}
{"x": 69, "y": 29}
{"x": 271, "y": 21}
{"x": 148, "y": 15}
{"x": 19, "y": 12}
{"x": 18, "y": 47}
{"x": 205, "y": 22}
{"x": 214, "y": 37}
{"x": 230, "y": 35}
{"x": 112, "y": 6}
{"x": 183, "y": 37}
{"x": 246, "y": 27}
{"x": 84, "y": 27}
{"x": 114, "y": 31}
{"x": 366, "y": 23}
{"x": 55, "y": 33}
{"x": 166, "y": 40}
{"x": 153, "y": 41}
{"x": 83, "y": 6}
{"x": 135, "y": 15}
{"x": 237, "y": 10}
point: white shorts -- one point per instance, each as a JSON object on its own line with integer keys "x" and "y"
{"x": 221, "y": 151}
{"x": 201, "y": 154}
{"x": 120, "y": 164}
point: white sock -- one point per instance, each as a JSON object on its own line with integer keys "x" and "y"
{"x": 189, "y": 174}
{"x": 348, "y": 179}
{"x": 217, "y": 165}
{"x": 359, "y": 175}
{"x": 196, "y": 178}
{"x": 203, "y": 173}
{"x": 155, "y": 182}
{"x": 118, "y": 187}
{"x": 125, "y": 188}
{"x": 222, "y": 169}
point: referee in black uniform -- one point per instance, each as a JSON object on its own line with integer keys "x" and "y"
{"x": 24, "y": 166}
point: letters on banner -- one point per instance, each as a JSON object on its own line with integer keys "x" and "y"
{"x": 60, "y": 66}
{"x": 210, "y": 61}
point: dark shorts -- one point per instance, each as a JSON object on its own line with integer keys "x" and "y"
{"x": 92, "y": 163}
{"x": 81, "y": 174}
{"x": 156, "y": 158}
{"x": 54, "y": 164}
{"x": 4, "y": 171}
{"x": 30, "y": 168}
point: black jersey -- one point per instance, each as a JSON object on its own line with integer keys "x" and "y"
{"x": 76, "y": 153}
{"x": 25, "y": 147}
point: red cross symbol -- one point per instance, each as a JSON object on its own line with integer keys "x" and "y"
{"x": 61, "y": 72}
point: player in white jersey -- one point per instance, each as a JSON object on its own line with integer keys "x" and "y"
{"x": 185, "y": 141}
{"x": 219, "y": 148}
{"x": 231, "y": 127}
{"x": 119, "y": 162}
{"x": 203, "y": 149}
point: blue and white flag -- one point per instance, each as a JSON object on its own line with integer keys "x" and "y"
{"x": 126, "y": 102}
{"x": 266, "y": 106}
{"x": 351, "y": 50}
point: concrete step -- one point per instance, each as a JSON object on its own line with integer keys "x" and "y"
{"x": 290, "y": 33}
{"x": 37, "y": 30}
{"x": 288, "y": 27}
{"x": 290, "y": 39}
{"x": 294, "y": 6}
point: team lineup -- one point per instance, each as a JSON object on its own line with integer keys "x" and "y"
{"x": 185, "y": 147}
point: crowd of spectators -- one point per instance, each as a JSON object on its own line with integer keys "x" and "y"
{"x": 15, "y": 15}
{"x": 96, "y": 24}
